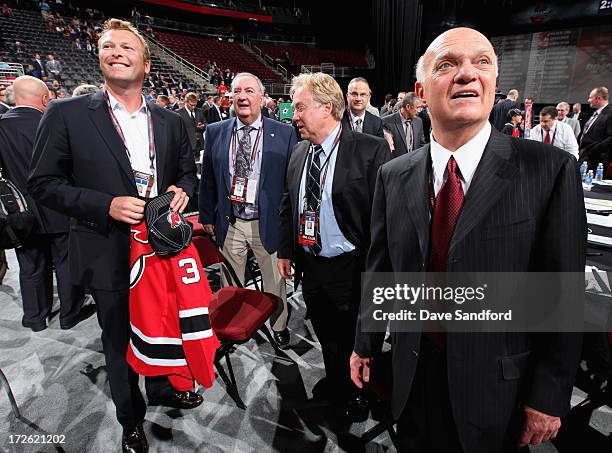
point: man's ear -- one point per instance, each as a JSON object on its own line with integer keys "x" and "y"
{"x": 419, "y": 91}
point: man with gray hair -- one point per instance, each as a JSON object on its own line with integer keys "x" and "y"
{"x": 325, "y": 219}
{"x": 499, "y": 114}
{"x": 84, "y": 89}
{"x": 243, "y": 177}
{"x": 563, "y": 109}
{"x": 405, "y": 126}
{"x": 3, "y": 104}
{"x": 357, "y": 117}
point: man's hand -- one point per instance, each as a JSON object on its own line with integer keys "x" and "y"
{"x": 209, "y": 229}
{"x": 180, "y": 200}
{"x": 284, "y": 268}
{"x": 360, "y": 369}
{"x": 539, "y": 427}
{"x": 200, "y": 126}
{"x": 127, "y": 209}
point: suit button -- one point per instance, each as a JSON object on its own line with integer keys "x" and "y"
{"x": 228, "y": 197}
{"x": 455, "y": 260}
{"x": 416, "y": 354}
{"x": 226, "y": 217}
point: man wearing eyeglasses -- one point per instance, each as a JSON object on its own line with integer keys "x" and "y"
{"x": 356, "y": 117}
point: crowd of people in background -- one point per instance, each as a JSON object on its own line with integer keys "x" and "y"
{"x": 331, "y": 122}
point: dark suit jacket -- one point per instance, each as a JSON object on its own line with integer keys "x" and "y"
{"x": 372, "y": 124}
{"x": 359, "y": 157}
{"x": 212, "y": 115}
{"x": 499, "y": 114}
{"x": 80, "y": 165}
{"x": 17, "y": 132}
{"x": 524, "y": 211}
{"x": 40, "y": 67}
{"x": 395, "y": 124}
{"x": 196, "y": 136}
{"x": 215, "y": 206}
{"x": 3, "y": 108}
{"x": 596, "y": 144}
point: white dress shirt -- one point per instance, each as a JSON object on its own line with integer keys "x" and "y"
{"x": 561, "y": 135}
{"x": 467, "y": 157}
{"x": 135, "y": 128}
{"x": 333, "y": 242}
{"x": 354, "y": 119}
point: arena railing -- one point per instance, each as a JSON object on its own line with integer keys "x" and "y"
{"x": 9, "y": 72}
{"x": 178, "y": 58}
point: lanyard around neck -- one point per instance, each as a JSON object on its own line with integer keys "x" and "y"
{"x": 122, "y": 136}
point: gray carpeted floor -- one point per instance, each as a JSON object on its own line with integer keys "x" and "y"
{"x": 59, "y": 381}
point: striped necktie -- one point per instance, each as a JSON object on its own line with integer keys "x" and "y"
{"x": 313, "y": 192}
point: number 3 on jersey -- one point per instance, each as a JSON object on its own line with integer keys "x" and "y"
{"x": 191, "y": 269}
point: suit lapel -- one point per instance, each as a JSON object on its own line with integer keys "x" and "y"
{"x": 268, "y": 137}
{"x": 99, "y": 115}
{"x": 490, "y": 181}
{"x": 343, "y": 162}
{"x": 400, "y": 130}
{"x": 416, "y": 181}
{"x": 301, "y": 153}
{"x": 224, "y": 149}
{"x": 160, "y": 137}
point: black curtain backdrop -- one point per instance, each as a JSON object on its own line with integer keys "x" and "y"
{"x": 396, "y": 46}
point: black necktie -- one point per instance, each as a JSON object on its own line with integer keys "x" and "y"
{"x": 313, "y": 192}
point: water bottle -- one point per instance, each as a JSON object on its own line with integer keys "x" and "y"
{"x": 583, "y": 170}
{"x": 599, "y": 172}
{"x": 589, "y": 178}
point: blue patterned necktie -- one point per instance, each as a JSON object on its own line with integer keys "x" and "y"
{"x": 243, "y": 161}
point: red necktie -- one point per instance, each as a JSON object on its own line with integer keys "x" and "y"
{"x": 445, "y": 214}
{"x": 547, "y": 138}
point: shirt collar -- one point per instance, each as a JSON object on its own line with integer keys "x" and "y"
{"x": 468, "y": 156}
{"x": 25, "y": 107}
{"x": 600, "y": 109}
{"x": 329, "y": 140}
{"x": 116, "y": 105}
{"x": 256, "y": 124}
{"x": 355, "y": 117}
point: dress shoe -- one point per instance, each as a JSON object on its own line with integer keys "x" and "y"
{"x": 178, "y": 400}
{"x": 281, "y": 337}
{"x": 134, "y": 441}
{"x": 322, "y": 389}
{"x": 35, "y": 326}
{"x": 86, "y": 312}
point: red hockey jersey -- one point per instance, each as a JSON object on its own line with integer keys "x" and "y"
{"x": 170, "y": 329}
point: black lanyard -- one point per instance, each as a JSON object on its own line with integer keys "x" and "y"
{"x": 120, "y": 131}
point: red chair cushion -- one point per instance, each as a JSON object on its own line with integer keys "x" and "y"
{"x": 237, "y": 313}
{"x": 198, "y": 229}
{"x": 207, "y": 250}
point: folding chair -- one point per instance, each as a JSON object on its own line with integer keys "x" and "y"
{"x": 236, "y": 314}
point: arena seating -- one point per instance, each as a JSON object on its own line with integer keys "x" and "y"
{"x": 304, "y": 55}
{"x": 28, "y": 28}
{"x": 199, "y": 49}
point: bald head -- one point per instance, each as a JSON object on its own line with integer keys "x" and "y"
{"x": 32, "y": 92}
{"x": 465, "y": 36}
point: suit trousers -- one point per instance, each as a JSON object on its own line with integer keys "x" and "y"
{"x": 36, "y": 259}
{"x": 331, "y": 288}
{"x": 114, "y": 319}
{"x": 241, "y": 236}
